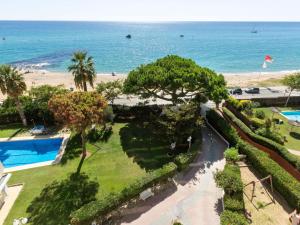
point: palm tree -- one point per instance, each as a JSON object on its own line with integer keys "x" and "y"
{"x": 12, "y": 83}
{"x": 293, "y": 82}
{"x": 83, "y": 70}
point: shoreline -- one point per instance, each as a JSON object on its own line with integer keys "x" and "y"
{"x": 41, "y": 77}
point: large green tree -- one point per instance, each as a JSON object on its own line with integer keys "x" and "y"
{"x": 79, "y": 111}
{"x": 218, "y": 90}
{"x": 177, "y": 123}
{"x": 171, "y": 78}
{"x": 293, "y": 82}
{"x": 110, "y": 90}
{"x": 83, "y": 70}
{"x": 12, "y": 83}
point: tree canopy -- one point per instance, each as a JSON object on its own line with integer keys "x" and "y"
{"x": 83, "y": 70}
{"x": 78, "y": 110}
{"x": 171, "y": 78}
{"x": 110, "y": 90}
{"x": 43, "y": 93}
{"x": 218, "y": 90}
{"x": 293, "y": 82}
{"x": 177, "y": 123}
{"x": 13, "y": 84}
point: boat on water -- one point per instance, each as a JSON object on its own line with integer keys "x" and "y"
{"x": 182, "y": 35}
{"x": 254, "y": 30}
{"x": 128, "y": 36}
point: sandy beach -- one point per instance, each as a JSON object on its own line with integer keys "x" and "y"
{"x": 37, "y": 78}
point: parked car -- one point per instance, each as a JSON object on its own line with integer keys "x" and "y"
{"x": 252, "y": 91}
{"x": 236, "y": 91}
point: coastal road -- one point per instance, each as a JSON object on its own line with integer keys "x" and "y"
{"x": 195, "y": 200}
{"x": 267, "y": 92}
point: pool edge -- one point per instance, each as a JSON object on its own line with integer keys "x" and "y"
{"x": 57, "y": 159}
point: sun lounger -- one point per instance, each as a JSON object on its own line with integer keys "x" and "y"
{"x": 38, "y": 130}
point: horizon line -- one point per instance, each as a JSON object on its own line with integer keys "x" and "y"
{"x": 155, "y": 21}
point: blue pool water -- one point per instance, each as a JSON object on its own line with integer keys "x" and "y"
{"x": 222, "y": 46}
{"x": 20, "y": 153}
{"x": 292, "y": 115}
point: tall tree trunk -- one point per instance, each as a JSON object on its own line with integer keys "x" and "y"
{"x": 83, "y": 136}
{"x": 21, "y": 112}
{"x": 84, "y": 86}
{"x": 287, "y": 101}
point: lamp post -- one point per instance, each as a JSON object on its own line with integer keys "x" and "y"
{"x": 189, "y": 140}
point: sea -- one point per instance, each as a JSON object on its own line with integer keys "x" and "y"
{"x": 226, "y": 47}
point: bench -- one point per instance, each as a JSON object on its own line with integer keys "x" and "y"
{"x": 146, "y": 194}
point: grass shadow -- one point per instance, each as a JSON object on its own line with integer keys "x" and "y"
{"x": 140, "y": 141}
{"x": 58, "y": 199}
{"x": 295, "y": 135}
{"x": 73, "y": 149}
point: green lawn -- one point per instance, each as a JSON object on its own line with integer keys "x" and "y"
{"x": 293, "y": 141}
{"x": 129, "y": 153}
{"x": 11, "y": 130}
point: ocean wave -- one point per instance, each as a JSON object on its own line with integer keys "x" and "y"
{"x": 42, "y": 62}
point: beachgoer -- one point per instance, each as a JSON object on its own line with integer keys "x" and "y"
{"x": 295, "y": 218}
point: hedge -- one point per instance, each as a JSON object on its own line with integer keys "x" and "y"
{"x": 125, "y": 113}
{"x": 233, "y": 218}
{"x": 234, "y": 203}
{"x": 97, "y": 209}
{"x": 281, "y": 150}
{"x": 283, "y": 182}
{"x": 218, "y": 122}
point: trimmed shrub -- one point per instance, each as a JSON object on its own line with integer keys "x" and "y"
{"x": 97, "y": 209}
{"x": 231, "y": 155}
{"x": 229, "y": 179}
{"x": 234, "y": 203}
{"x": 233, "y": 218}
{"x": 183, "y": 160}
{"x": 273, "y": 135}
{"x": 260, "y": 114}
{"x": 256, "y": 123}
{"x": 281, "y": 150}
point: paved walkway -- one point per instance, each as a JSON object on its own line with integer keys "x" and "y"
{"x": 195, "y": 200}
{"x": 295, "y": 152}
{"x": 12, "y": 194}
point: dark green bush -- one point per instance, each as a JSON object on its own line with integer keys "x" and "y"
{"x": 96, "y": 209}
{"x": 260, "y": 114}
{"x": 281, "y": 150}
{"x": 183, "y": 160}
{"x": 218, "y": 122}
{"x": 34, "y": 111}
{"x": 234, "y": 202}
{"x": 273, "y": 135}
{"x": 229, "y": 179}
{"x": 233, "y": 218}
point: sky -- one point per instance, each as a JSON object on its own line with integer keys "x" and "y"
{"x": 151, "y": 10}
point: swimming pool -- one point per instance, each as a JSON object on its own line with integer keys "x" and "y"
{"x": 292, "y": 115}
{"x": 25, "y": 152}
